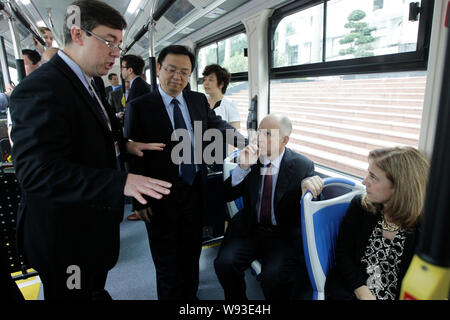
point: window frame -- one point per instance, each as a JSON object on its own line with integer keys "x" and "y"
{"x": 406, "y": 61}
{"x": 237, "y": 76}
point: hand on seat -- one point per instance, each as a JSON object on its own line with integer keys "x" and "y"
{"x": 313, "y": 184}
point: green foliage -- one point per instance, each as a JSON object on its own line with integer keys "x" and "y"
{"x": 359, "y": 37}
{"x": 356, "y": 15}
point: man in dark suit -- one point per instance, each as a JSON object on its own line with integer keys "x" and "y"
{"x": 132, "y": 68}
{"x": 67, "y": 145}
{"x": 114, "y": 84}
{"x": 175, "y": 228}
{"x": 269, "y": 178}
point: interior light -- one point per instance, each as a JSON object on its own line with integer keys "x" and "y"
{"x": 132, "y": 6}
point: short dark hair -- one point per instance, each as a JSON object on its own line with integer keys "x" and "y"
{"x": 134, "y": 62}
{"x": 94, "y": 13}
{"x": 44, "y": 29}
{"x": 33, "y": 55}
{"x": 222, "y": 75}
{"x": 176, "y": 49}
{"x": 111, "y": 75}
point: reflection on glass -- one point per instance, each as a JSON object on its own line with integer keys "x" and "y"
{"x": 364, "y": 28}
{"x": 231, "y": 53}
{"x": 228, "y": 53}
{"x": 206, "y": 56}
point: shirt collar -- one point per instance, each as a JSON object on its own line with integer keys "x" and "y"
{"x": 168, "y": 99}
{"x": 275, "y": 162}
{"x": 75, "y": 68}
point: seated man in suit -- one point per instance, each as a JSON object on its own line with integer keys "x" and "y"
{"x": 271, "y": 179}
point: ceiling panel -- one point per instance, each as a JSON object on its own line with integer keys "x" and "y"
{"x": 183, "y": 18}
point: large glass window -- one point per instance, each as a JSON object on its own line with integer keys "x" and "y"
{"x": 337, "y": 120}
{"x": 354, "y": 29}
{"x": 351, "y": 76}
{"x": 228, "y": 52}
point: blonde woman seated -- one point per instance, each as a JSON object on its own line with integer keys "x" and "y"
{"x": 378, "y": 235}
{"x": 215, "y": 82}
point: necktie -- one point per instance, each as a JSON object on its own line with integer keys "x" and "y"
{"x": 187, "y": 169}
{"x": 265, "y": 217}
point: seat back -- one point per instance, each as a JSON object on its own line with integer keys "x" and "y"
{"x": 321, "y": 221}
{"x": 235, "y": 206}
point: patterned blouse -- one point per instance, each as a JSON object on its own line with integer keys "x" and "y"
{"x": 382, "y": 260}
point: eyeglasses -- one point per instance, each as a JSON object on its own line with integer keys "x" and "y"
{"x": 171, "y": 71}
{"x": 111, "y": 45}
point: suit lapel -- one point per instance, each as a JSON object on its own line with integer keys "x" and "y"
{"x": 160, "y": 113}
{"x": 283, "y": 178}
{"x": 79, "y": 86}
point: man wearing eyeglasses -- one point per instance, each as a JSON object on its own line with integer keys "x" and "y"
{"x": 67, "y": 151}
{"x": 174, "y": 225}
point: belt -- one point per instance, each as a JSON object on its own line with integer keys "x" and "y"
{"x": 267, "y": 229}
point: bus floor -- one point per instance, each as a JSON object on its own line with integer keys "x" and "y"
{"x": 133, "y": 277}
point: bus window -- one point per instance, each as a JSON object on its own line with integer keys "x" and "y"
{"x": 228, "y": 52}
{"x": 351, "y": 75}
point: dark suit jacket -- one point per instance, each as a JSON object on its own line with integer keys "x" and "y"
{"x": 349, "y": 273}
{"x": 137, "y": 89}
{"x": 294, "y": 167}
{"x": 65, "y": 162}
{"x": 115, "y": 100}
{"x": 151, "y": 123}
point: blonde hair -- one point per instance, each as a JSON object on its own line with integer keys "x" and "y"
{"x": 407, "y": 169}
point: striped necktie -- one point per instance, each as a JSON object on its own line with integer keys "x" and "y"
{"x": 188, "y": 170}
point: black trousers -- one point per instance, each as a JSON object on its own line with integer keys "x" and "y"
{"x": 175, "y": 237}
{"x": 92, "y": 286}
{"x": 283, "y": 274}
{"x": 60, "y": 282}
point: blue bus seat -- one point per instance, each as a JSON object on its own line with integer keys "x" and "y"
{"x": 320, "y": 223}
